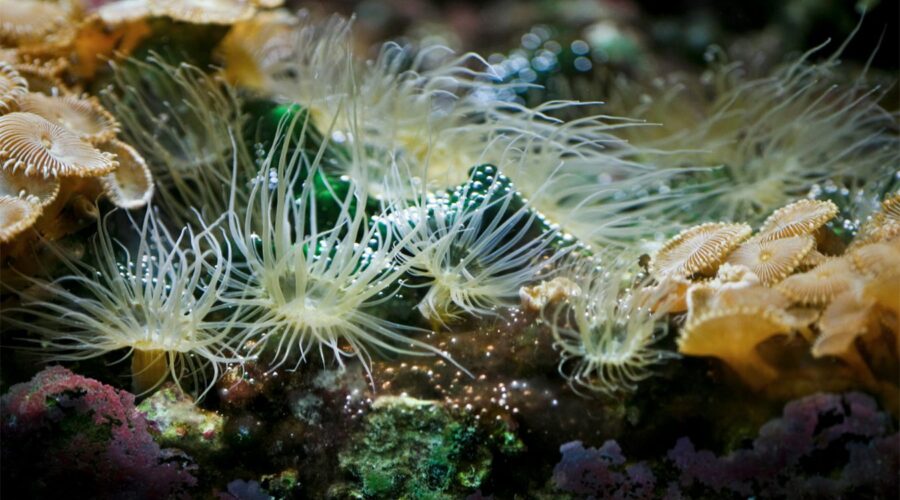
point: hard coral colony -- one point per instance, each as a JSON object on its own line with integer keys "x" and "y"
{"x": 219, "y": 191}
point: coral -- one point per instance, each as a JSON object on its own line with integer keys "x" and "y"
{"x": 548, "y": 292}
{"x": 824, "y": 445}
{"x": 698, "y": 249}
{"x": 12, "y": 87}
{"x": 36, "y": 146}
{"x": 16, "y": 215}
{"x": 601, "y": 473}
{"x": 153, "y": 302}
{"x": 83, "y": 116}
{"x": 29, "y": 20}
{"x": 820, "y": 284}
{"x": 38, "y": 190}
{"x": 204, "y": 11}
{"x": 411, "y": 448}
{"x": 772, "y": 260}
{"x": 179, "y": 423}
{"x": 802, "y": 217}
{"x": 130, "y": 186}
{"x": 63, "y": 433}
{"x": 883, "y": 225}
{"x": 749, "y": 313}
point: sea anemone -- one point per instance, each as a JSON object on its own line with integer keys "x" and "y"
{"x": 606, "y": 336}
{"x": 439, "y": 114}
{"x": 305, "y": 286}
{"x": 12, "y": 87}
{"x": 700, "y": 249}
{"x": 474, "y": 248}
{"x": 782, "y": 135}
{"x": 155, "y": 302}
{"x": 188, "y": 126}
{"x": 772, "y": 260}
{"x": 30, "y": 143}
{"x": 82, "y": 115}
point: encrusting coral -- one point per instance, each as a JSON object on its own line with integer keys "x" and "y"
{"x": 83, "y": 116}
{"x": 699, "y": 249}
{"x": 772, "y": 260}
{"x": 12, "y": 87}
{"x": 843, "y": 305}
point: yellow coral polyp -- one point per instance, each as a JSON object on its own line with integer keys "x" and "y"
{"x": 700, "y": 249}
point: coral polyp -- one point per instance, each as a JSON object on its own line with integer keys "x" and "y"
{"x": 154, "y": 303}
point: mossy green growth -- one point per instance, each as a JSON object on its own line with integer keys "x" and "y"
{"x": 181, "y": 42}
{"x": 180, "y": 423}
{"x": 410, "y": 448}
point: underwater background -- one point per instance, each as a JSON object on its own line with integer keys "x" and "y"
{"x": 257, "y": 249}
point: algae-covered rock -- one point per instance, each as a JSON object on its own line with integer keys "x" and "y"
{"x": 68, "y": 436}
{"x": 411, "y": 448}
{"x": 180, "y": 423}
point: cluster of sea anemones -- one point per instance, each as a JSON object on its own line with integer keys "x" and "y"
{"x": 318, "y": 194}
{"x": 793, "y": 276}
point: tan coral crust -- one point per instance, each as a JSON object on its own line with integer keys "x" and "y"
{"x": 772, "y": 260}
{"x": 81, "y": 115}
{"x": 877, "y": 258}
{"x": 130, "y": 186}
{"x": 16, "y": 215}
{"x": 124, "y": 11}
{"x": 798, "y": 218}
{"x": 253, "y": 45}
{"x": 204, "y": 11}
{"x": 846, "y": 317}
{"x": 732, "y": 335}
{"x": 23, "y": 21}
{"x": 35, "y": 146}
{"x": 883, "y": 225}
{"x": 822, "y": 283}
{"x": 12, "y": 87}
{"x": 698, "y": 249}
{"x": 37, "y": 189}
{"x": 42, "y": 78}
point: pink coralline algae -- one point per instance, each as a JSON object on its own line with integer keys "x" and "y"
{"x": 601, "y": 472}
{"x": 822, "y": 446}
{"x": 67, "y": 436}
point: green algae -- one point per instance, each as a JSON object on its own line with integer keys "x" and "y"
{"x": 411, "y": 448}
